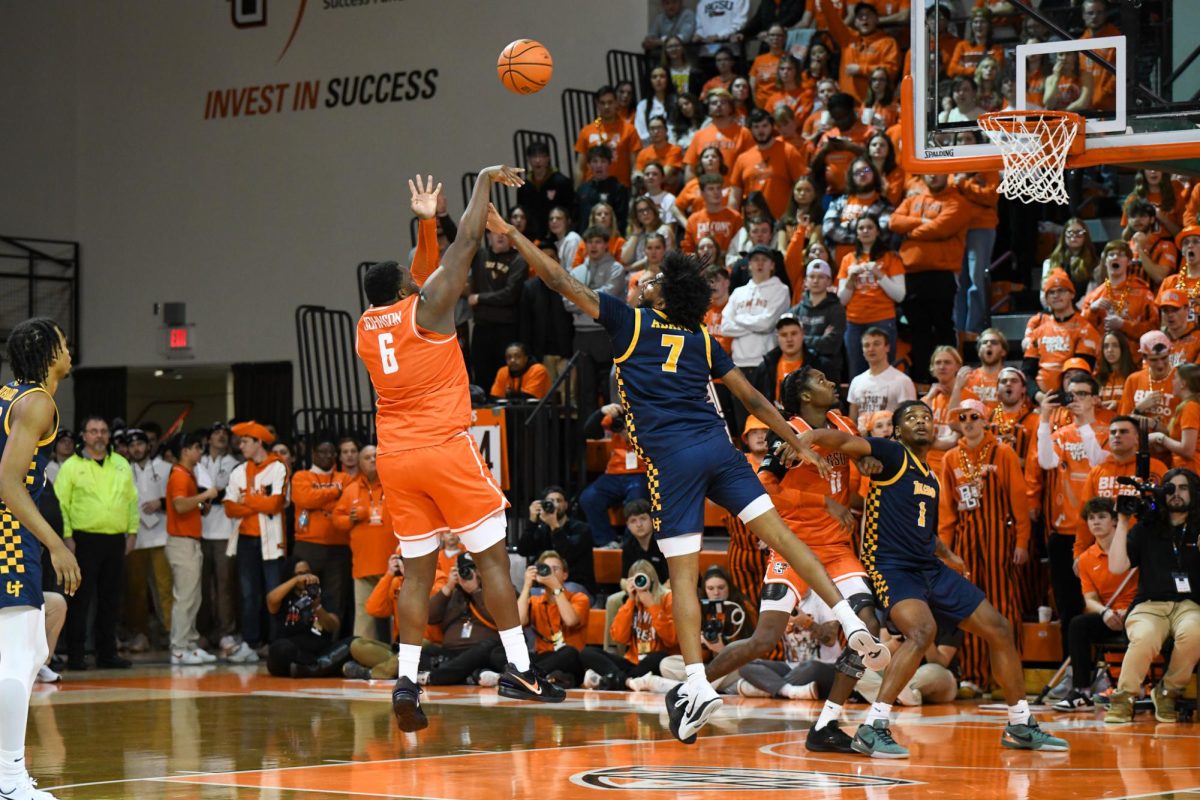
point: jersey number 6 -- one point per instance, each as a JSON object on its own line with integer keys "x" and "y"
{"x": 675, "y": 343}
{"x": 387, "y": 355}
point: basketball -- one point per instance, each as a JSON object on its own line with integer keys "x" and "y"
{"x": 525, "y": 66}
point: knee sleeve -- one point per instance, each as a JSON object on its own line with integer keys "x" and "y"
{"x": 860, "y": 601}
{"x": 22, "y": 643}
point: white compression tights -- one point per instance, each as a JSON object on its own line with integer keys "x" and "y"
{"x": 22, "y": 651}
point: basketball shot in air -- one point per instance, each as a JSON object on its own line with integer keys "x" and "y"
{"x": 525, "y": 66}
{"x": 665, "y": 366}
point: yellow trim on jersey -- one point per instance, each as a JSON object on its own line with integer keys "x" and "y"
{"x": 26, "y": 393}
{"x": 637, "y": 331}
{"x": 896, "y": 477}
{"x": 707, "y": 345}
{"x": 916, "y": 461}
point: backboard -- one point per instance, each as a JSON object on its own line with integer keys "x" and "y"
{"x": 1130, "y": 67}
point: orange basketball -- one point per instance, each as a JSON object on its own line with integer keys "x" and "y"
{"x": 525, "y": 66}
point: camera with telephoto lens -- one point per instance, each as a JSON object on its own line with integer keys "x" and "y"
{"x": 1150, "y": 497}
{"x": 466, "y": 567}
{"x": 711, "y": 626}
{"x": 543, "y": 569}
{"x": 641, "y": 581}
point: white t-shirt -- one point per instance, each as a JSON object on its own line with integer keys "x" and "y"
{"x": 214, "y": 473}
{"x": 150, "y": 478}
{"x": 882, "y": 392}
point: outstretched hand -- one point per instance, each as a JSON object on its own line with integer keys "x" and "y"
{"x": 509, "y": 176}
{"x": 425, "y": 197}
{"x": 495, "y": 222}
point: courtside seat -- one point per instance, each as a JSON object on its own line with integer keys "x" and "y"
{"x": 607, "y": 563}
{"x": 595, "y": 626}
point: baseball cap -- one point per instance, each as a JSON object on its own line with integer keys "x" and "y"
{"x": 1014, "y": 371}
{"x": 1172, "y": 298}
{"x": 1076, "y": 363}
{"x": 1058, "y": 279}
{"x": 971, "y": 405}
{"x": 761, "y": 250}
{"x": 787, "y": 318}
{"x": 1154, "y": 343}
{"x": 1190, "y": 230}
{"x": 64, "y": 433}
{"x": 218, "y": 426}
{"x": 136, "y": 435}
{"x": 865, "y": 4}
{"x": 820, "y": 266}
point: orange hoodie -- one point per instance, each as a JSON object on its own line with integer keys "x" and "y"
{"x": 314, "y": 494}
{"x": 934, "y": 227}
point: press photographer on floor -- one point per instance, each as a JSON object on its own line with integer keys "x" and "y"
{"x": 1162, "y": 545}
{"x": 307, "y": 646}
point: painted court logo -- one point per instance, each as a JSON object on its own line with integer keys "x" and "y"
{"x": 253, "y": 14}
{"x": 723, "y": 779}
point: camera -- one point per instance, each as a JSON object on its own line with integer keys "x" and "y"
{"x": 466, "y": 568}
{"x": 641, "y": 581}
{"x": 711, "y": 627}
{"x": 313, "y": 590}
{"x": 549, "y": 506}
{"x": 1150, "y": 497}
{"x": 543, "y": 569}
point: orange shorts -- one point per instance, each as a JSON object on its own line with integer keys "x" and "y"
{"x": 437, "y": 489}
{"x": 838, "y": 559}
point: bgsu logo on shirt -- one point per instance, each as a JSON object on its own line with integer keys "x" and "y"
{"x": 717, "y": 8}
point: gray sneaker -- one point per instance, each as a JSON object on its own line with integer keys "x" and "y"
{"x": 875, "y": 740}
{"x": 1030, "y": 737}
{"x": 1164, "y": 703}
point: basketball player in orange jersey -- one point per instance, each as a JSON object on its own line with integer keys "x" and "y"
{"x": 433, "y": 475}
{"x": 817, "y": 510}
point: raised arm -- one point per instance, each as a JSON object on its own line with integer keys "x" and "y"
{"x": 765, "y": 410}
{"x": 426, "y": 202}
{"x": 444, "y": 287}
{"x": 552, "y": 273}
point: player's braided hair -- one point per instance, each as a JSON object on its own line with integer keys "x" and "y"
{"x": 794, "y": 384}
{"x": 685, "y": 291}
{"x": 32, "y": 347}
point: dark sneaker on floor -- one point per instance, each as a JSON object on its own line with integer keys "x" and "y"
{"x": 830, "y": 739}
{"x": 875, "y": 740}
{"x": 406, "y": 705}
{"x": 688, "y": 708}
{"x": 1030, "y": 737}
{"x": 355, "y": 671}
{"x": 529, "y": 685}
{"x": 1075, "y": 701}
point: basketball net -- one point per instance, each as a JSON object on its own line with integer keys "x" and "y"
{"x": 1034, "y": 146}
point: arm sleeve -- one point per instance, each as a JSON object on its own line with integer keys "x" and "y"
{"x": 1095, "y": 452}
{"x": 426, "y": 257}
{"x": 1047, "y": 455}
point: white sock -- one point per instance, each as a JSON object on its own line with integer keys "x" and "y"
{"x": 1018, "y": 714}
{"x": 807, "y": 691}
{"x": 695, "y": 673}
{"x": 847, "y": 618}
{"x": 12, "y": 763}
{"x": 881, "y": 711}
{"x": 830, "y": 712}
{"x": 409, "y": 656}
{"x": 513, "y": 640}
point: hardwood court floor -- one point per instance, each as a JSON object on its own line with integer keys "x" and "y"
{"x": 234, "y": 733}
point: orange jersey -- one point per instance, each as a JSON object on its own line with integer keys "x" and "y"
{"x": 1102, "y": 482}
{"x": 1094, "y": 576}
{"x": 800, "y": 494}
{"x": 619, "y": 136}
{"x": 1064, "y": 485}
{"x": 772, "y": 171}
{"x": 1112, "y": 390}
{"x": 983, "y": 492}
{"x": 732, "y": 141}
{"x": 424, "y": 396}
{"x": 1132, "y": 302}
{"x": 1053, "y": 341}
{"x": 1139, "y": 385}
{"x": 983, "y": 387}
{"x": 1185, "y": 418}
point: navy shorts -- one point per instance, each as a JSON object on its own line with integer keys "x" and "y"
{"x": 679, "y": 482}
{"x": 20, "y": 565}
{"x": 951, "y": 597}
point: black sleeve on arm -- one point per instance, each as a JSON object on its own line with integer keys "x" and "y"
{"x": 1030, "y": 367}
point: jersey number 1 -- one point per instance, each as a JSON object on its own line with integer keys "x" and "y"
{"x": 387, "y": 355}
{"x": 921, "y": 514}
{"x": 675, "y": 344}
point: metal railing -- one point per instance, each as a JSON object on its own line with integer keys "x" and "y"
{"x": 578, "y": 109}
{"x": 40, "y": 278}
{"x": 332, "y": 385}
{"x": 523, "y": 138}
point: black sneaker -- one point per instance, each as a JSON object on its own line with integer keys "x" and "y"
{"x": 689, "y": 713}
{"x": 529, "y": 685}
{"x": 1075, "y": 701}
{"x": 830, "y": 739}
{"x": 355, "y": 671}
{"x": 406, "y": 705}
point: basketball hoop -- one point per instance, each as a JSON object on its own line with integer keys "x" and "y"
{"x": 1034, "y": 146}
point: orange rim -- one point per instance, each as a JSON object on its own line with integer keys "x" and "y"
{"x": 1015, "y": 120}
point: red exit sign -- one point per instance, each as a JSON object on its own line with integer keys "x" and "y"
{"x": 177, "y": 339}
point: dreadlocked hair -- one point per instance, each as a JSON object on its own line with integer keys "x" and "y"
{"x": 32, "y": 347}
{"x": 794, "y": 384}
{"x": 685, "y": 291}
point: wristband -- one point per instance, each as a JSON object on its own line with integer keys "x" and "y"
{"x": 557, "y": 592}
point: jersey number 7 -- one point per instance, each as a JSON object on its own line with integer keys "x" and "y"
{"x": 675, "y": 344}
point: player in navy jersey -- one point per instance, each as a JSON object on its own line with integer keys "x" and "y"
{"x": 665, "y": 362}
{"x": 37, "y": 353}
{"x": 906, "y": 563}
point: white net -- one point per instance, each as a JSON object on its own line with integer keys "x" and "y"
{"x": 1034, "y": 146}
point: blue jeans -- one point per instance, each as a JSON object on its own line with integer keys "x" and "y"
{"x": 973, "y": 303}
{"x": 605, "y": 492}
{"x": 255, "y": 579}
{"x": 853, "y": 340}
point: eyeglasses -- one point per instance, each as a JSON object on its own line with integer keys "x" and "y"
{"x": 973, "y": 417}
{"x": 987, "y": 342}
{"x": 1073, "y": 233}
{"x": 863, "y": 171}
{"x": 1077, "y": 395}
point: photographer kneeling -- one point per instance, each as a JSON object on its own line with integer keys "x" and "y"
{"x": 468, "y": 632}
{"x": 1162, "y": 545}
{"x": 306, "y": 648}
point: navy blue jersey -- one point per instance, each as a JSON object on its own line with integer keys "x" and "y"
{"x": 20, "y": 552}
{"x": 900, "y": 524}
{"x": 664, "y": 378}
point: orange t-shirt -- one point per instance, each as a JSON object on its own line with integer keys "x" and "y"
{"x": 783, "y": 367}
{"x": 669, "y": 155}
{"x": 732, "y": 141}
{"x": 1065, "y": 483}
{"x": 1188, "y": 285}
{"x": 869, "y": 303}
{"x": 1160, "y": 249}
{"x": 534, "y": 381}
{"x": 621, "y": 138}
{"x": 722, "y": 226}
{"x": 794, "y": 99}
{"x": 837, "y": 162}
{"x": 615, "y": 243}
{"x": 1140, "y": 384}
{"x": 1185, "y": 349}
{"x": 763, "y": 71}
{"x": 1186, "y": 418}
{"x": 712, "y": 321}
{"x": 1102, "y": 482}
{"x": 1095, "y": 577}
{"x": 967, "y": 56}
{"x": 940, "y": 406}
{"x": 182, "y": 483}
{"x": 546, "y": 620}
{"x": 800, "y": 495}
{"x": 772, "y": 171}
{"x": 1054, "y": 341}
{"x": 982, "y": 387}
{"x": 689, "y": 200}
{"x": 1113, "y": 389}
{"x": 1132, "y": 302}
{"x": 420, "y": 378}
